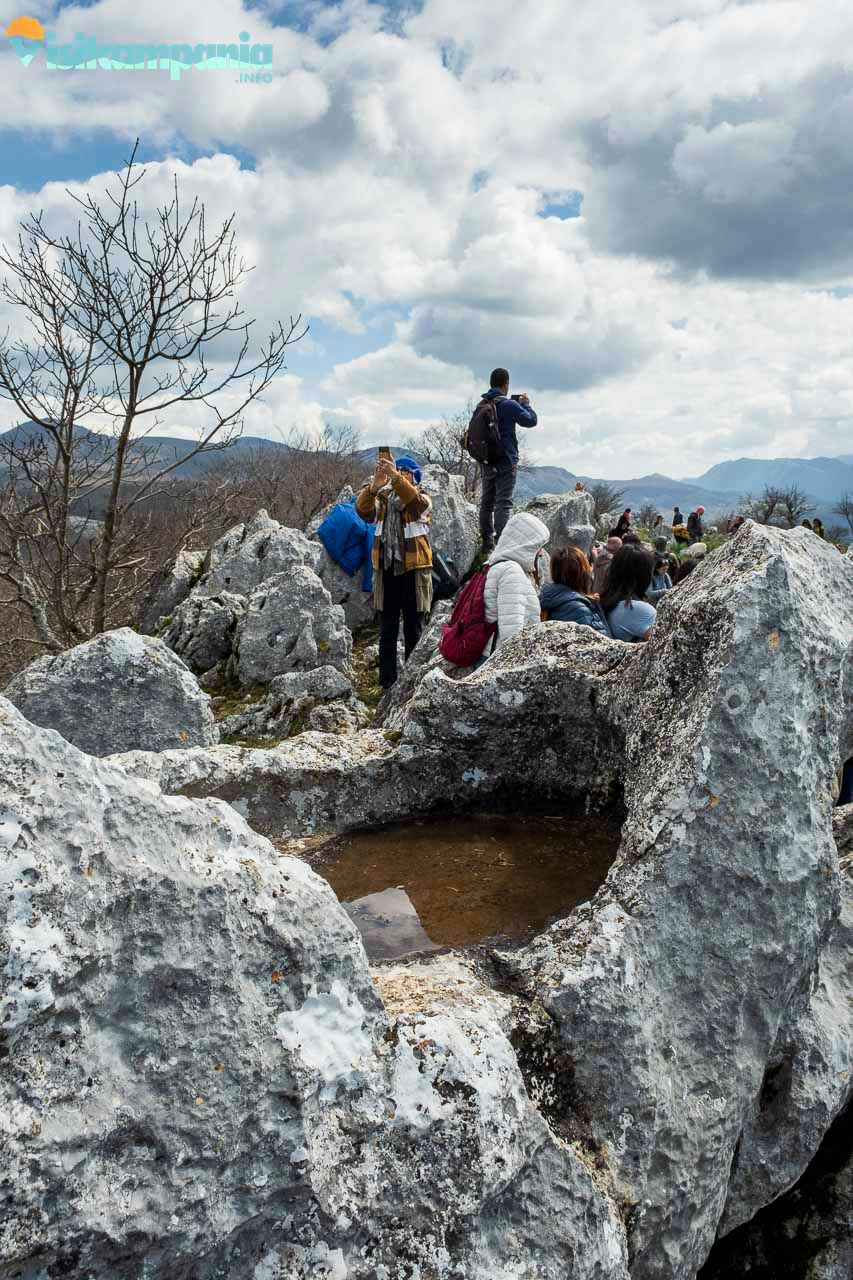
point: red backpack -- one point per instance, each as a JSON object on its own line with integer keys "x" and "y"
{"x": 467, "y": 633}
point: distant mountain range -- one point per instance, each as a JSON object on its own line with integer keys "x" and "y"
{"x": 823, "y": 479}
{"x": 718, "y": 489}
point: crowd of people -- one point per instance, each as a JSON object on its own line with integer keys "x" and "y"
{"x": 615, "y": 590}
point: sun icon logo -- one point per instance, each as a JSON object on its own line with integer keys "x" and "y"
{"x": 25, "y": 34}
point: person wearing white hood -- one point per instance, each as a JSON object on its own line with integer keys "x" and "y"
{"x": 510, "y": 597}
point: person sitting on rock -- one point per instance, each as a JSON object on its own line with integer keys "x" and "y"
{"x": 661, "y": 581}
{"x": 402, "y": 556}
{"x": 601, "y": 568}
{"x": 629, "y": 615}
{"x": 510, "y": 597}
{"x": 567, "y": 597}
{"x": 623, "y": 524}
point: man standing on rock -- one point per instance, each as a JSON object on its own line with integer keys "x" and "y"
{"x": 402, "y": 556}
{"x": 498, "y": 479}
{"x": 695, "y": 527}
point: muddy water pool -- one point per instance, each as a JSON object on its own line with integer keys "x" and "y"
{"x": 449, "y": 882}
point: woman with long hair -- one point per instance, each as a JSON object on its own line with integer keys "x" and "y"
{"x": 629, "y": 615}
{"x": 567, "y": 598}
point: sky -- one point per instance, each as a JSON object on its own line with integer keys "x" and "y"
{"x": 643, "y": 211}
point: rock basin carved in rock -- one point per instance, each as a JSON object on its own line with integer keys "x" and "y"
{"x": 590, "y": 1117}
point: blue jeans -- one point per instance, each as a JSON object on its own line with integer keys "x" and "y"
{"x": 498, "y": 483}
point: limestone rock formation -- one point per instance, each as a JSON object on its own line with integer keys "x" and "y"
{"x": 290, "y": 624}
{"x": 259, "y": 608}
{"x": 200, "y": 1079}
{"x": 424, "y": 657}
{"x": 455, "y": 528}
{"x": 695, "y": 992}
{"x": 202, "y": 629}
{"x": 170, "y": 589}
{"x": 678, "y": 977}
{"x": 322, "y": 699}
{"x": 346, "y": 591}
{"x": 808, "y": 1080}
{"x": 248, "y": 555}
{"x": 118, "y": 692}
{"x": 457, "y": 743}
{"x": 569, "y": 516}
{"x": 805, "y": 1234}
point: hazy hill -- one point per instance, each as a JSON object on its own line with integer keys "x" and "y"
{"x": 823, "y": 479}
{"x": 718, "y": 489}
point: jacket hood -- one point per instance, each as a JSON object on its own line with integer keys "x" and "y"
{"x": 492, "y": 394}
{"x": 524, "y": 535}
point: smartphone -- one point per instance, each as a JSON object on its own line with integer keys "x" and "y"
{"x": 385, "y": 452}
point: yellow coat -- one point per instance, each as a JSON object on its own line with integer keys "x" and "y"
{"x": 416, "y": 520}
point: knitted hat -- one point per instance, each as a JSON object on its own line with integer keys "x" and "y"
{"x": 409, "y": 464}
{"x": 613, "y": 545}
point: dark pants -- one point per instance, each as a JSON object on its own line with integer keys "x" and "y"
{"x": 496, "y": 498}
{"x": 399, "y": 596}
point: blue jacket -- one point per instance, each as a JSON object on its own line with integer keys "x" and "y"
{"x": 564, "y": 605}
{"x": 349, "y": 541}
{"x": 510, "y": 415}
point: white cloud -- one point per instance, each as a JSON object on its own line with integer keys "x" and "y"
{"x": 408, "y": 169}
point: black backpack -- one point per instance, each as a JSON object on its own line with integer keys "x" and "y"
{"x": 445, "y": 579}
{"x": 483, "y": 438}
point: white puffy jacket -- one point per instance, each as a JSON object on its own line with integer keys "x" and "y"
{"x": 510, "y": 596}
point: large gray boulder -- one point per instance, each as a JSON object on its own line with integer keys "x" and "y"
{"x": 200, "y": 1079}
{"x": 697, "y": 1004}
{"x": 201, "y": 632}
{"x": 118, "y": 692}
{"x": 424, "y": 658}
{"x": 290, "y": 624}
{"x": 259, "y": 608}
{"x": 250, "y": 554}
{"x": 454, "y": 528}
{"x": 456, "y": 745}
{"x": 805, "y": 1234}
{"x": 346, "y": 591}
{"x": 322, "y": 699}
{"x": 680, "y": 975}
{"x": 808, "y": 1079}
{"x": 570, "y": 518}
{"x": 169, "y": 589}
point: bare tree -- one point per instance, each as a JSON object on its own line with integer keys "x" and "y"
{"x": 844, "y": 508}
{"x": 607, "y": 497}
{"x": 125, "y": 317}
{"x": 442, "y": 444}
{"x": 647, "y": 515}
{"x": 294, "y": 482}
{"x": 777, "y": 505}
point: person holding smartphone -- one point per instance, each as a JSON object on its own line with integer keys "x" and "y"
{"x": 402, "y": 555}
{"x": 498, "y": 479}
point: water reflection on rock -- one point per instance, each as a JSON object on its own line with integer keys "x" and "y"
{"x": 389, "y": 924}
